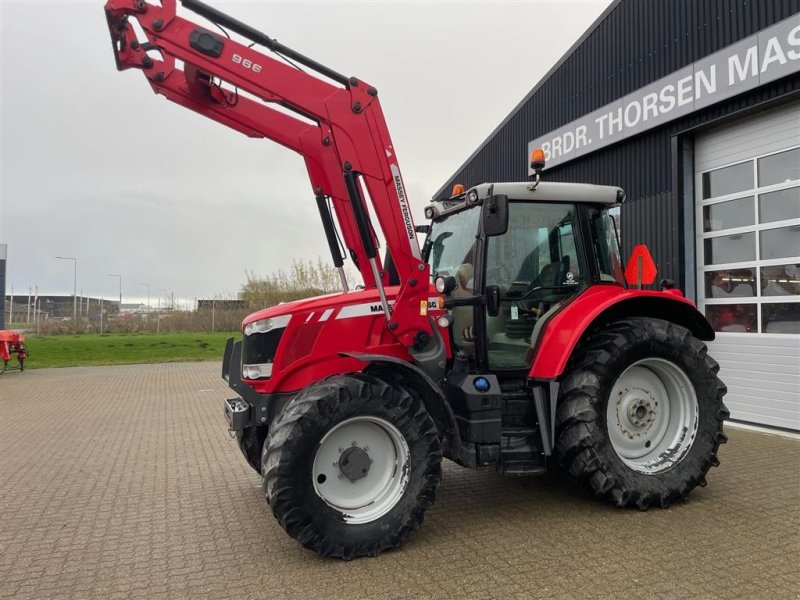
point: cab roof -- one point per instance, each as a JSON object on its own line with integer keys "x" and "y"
{"x": 547, "y": 191}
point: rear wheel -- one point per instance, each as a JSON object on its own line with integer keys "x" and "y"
{"x": 350, "y": 466}
{"x": 640, "y": 413}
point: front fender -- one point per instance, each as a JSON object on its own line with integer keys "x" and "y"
{"x": 390, "y": 368}
{"x": 602, "y": 304}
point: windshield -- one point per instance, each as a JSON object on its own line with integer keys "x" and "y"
{"x": 604, "y": 237}
{"x": 451, "y": 245}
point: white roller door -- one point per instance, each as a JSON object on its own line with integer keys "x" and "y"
{"x": 747, "y": 224}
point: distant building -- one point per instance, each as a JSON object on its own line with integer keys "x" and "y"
{"x": 133, "y": 309}
{"x": 221, "y": 304}
{"x": 20, "y": 308}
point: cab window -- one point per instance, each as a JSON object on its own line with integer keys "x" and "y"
{"x": 536, "y": 264}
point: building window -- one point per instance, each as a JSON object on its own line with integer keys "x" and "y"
{"x": 749, "y": 229}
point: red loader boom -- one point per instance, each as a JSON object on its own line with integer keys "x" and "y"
{"x": 346, "y": 150}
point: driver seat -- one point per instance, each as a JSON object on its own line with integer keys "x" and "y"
{"x": 553, "y": 273}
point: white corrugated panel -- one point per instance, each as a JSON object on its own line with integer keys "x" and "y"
{"x": 761, "y": 370}
{"x": 762, "y": 373}
{"x": 752, "y": 136}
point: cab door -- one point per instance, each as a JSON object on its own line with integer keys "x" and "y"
{"x": 536, "y": 264}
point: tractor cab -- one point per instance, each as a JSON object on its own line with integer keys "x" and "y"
{"x": 510, "y": 255}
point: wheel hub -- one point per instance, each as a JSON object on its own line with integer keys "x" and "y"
{"x": 354, "y": 463}
{"x": 361, "y": 468}
{"x": 638, "y": 407}
{"x": 652, "y": 415}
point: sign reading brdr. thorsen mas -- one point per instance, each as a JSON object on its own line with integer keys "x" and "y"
{"x": 770, "y": 54}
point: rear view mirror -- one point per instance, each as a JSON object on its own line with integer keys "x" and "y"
{"x": 495, "y": 215}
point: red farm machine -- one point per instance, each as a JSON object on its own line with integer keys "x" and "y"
{"x": 510, "y": 340}
{"x": 12, "y": 342}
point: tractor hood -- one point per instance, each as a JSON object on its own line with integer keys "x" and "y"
{"x": 333, "y": 302}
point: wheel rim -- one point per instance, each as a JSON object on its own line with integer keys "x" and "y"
{"x": 652, "y": 415}
{"x": 361, "y": 468}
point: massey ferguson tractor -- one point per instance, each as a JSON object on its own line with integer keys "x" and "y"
{"x": 511, "y": 340}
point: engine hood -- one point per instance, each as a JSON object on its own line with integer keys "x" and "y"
{"x": 324, "y": 302}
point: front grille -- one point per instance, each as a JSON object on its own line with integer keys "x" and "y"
{"x": 260, "y": 348}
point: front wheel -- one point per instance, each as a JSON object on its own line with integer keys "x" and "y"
{"x": 350, "y": 466}
{"x": 640, "y": 413}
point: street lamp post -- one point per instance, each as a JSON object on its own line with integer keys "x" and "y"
{"x": 120, "y": 289}
{"x": 74, "y": 285}
{"x": 159, "y": 297}
{"x": 148, "y": 296}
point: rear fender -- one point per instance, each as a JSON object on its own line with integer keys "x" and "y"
{"x": 603, "y": 304}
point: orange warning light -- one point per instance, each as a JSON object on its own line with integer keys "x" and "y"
{"x": 537, "y": 159}
{"x": 458, "y": 189}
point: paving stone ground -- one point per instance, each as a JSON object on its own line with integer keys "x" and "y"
{"x": 121, "y": 482}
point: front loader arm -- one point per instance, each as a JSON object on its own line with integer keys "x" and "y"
{"x": 191, "y": 90}
{"x": 341, "y": 132}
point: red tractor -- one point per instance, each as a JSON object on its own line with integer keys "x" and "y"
{"x": 12, "y": 342}
{"x": 509, "y": 340}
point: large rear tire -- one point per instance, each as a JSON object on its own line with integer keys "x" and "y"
{"x": 640, "y": 413}
{"x": 350, "y": 465}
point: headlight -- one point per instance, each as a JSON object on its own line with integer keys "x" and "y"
{"x": 444, "y": 284}
{"x": 256, "y": 371}
{"x": 265, "y": 325}
{"x": 261, "y": 326}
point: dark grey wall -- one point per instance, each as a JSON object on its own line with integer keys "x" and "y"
{"x": 638, "y": 42}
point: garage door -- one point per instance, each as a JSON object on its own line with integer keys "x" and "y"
{"x": 747, "y": 190}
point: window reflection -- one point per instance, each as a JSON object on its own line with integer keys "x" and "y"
{"x": 728, "y": 180}
{"x": 780, "y": 205}
{"x": 733, "y": 318}
{"x": 779, "y": 168}
{"x": 730, "y": 248}
{"x": 726, "y": 215}
{"x": 781, "y": 242}
{"x": 737, "y": 283}
{"x": 780, "y": 280}
{"x": 780, "y": 318}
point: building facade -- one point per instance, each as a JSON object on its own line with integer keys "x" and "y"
{"x": 692, "y": 107}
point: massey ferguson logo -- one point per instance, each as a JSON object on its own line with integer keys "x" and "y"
{"x": 401, "y": 196}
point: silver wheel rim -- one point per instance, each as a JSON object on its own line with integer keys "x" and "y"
{"x": 652, "y": 415}
{"x": 381, "y": 458}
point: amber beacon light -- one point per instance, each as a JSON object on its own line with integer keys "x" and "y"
{"x": 537, "y": 165}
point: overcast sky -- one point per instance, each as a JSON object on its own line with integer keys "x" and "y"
{"x": 94, "y": 165}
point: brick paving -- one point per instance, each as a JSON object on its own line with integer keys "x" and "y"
{"x": 121, "y": 482}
